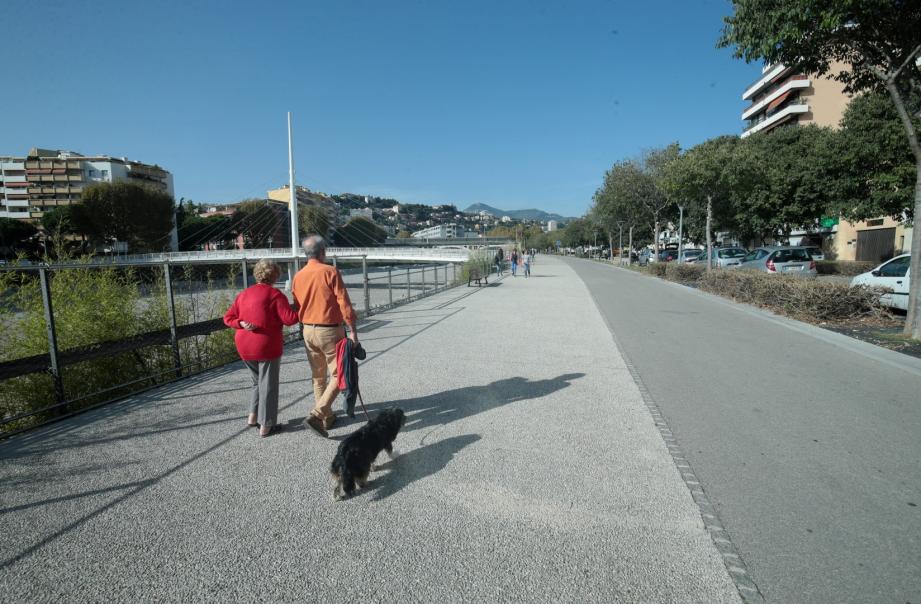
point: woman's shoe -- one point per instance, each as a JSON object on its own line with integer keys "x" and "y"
{"x": 272, "y": 430}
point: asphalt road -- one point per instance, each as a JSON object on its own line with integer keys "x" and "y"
{"x": 807, "y": 442}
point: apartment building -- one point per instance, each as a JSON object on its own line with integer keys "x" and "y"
{"x": 783, "y": 97}
{"x": 45, "y": 178}
{"x": 441, "y": 231}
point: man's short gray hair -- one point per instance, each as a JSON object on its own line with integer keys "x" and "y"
{"x": 314, "y": 246}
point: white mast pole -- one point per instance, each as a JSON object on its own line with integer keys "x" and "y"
{"x": 295, "y": 243}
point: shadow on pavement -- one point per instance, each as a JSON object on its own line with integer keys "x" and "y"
{"x": 417, "y": 464}
{"x": 445, "y": 407}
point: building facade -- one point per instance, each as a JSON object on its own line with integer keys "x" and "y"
{"x": 441, "y": 231}
{"x": 783, "y": 96}
{"x": 44, "y": 179}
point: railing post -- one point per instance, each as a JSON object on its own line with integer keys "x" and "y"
{"x": 409, "y": 288}
{"x": 390, "y": 285}
{"x": 52, "y": 338}
{"x": 364, "y": 272}
{"x": 423, "y": 279}
{"x": 171, "y": 305}
{"x": 245, "y": 276}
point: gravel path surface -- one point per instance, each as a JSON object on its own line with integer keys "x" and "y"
{"x": 531, "y": 471}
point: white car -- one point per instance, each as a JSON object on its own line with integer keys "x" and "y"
{"x": 892, "y": 275}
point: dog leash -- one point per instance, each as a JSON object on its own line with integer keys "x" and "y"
{"x": 363, "y": 408}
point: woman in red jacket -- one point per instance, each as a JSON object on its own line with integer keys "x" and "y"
{"x": 258, "y": 314}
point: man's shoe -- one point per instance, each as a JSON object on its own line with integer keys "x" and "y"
{"x": 316, "y": 424}
{"x": 329, "y": 421}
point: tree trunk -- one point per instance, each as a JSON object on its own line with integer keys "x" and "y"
{"x": 611, "y": 240}
{"x": 630, "y": 253}
{"x": 655, "y": 238}
{"x": 709, "y": 221}
{"x": 913, "y": 320}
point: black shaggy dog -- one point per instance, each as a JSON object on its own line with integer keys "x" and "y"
{"x": 358, "y": 451}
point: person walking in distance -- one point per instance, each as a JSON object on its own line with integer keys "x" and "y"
{"x": 323, "y": 306}
{"x": 526, "y": 257}
{"x": 513, "y": 259}
{"x": 497, "y": 260}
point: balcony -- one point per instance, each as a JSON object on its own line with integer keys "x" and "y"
{"x": 793, "y": 84}
{"x": 765, "y": 79}
{"x": 795, "y": 107}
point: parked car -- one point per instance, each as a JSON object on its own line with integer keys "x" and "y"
{"x": 690, "y": 255}
{"x": 667, "y": 255}
{"x": 780, "y": 260}
{"x": 645, "y": 256}
{"x": 892, "y": 275}
{"x": 724, "y": 257}
{"x": 816, "y": 253}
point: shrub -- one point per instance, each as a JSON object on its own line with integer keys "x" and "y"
{"x": 683, "y": 272}
{"x": 843, "y": 267}
{"x": 794, "y": 296}
{"x": 657, "y": 269}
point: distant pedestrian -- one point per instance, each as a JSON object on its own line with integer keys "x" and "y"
{"x": 497, "y": 260}
{"x": 323, "y": 306}
{"x": 527, "y": 264}
{"x": 257, "y": 314}
{"x": 513, "y": 259}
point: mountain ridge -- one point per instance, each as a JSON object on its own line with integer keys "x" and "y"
{"x": 527, "y": 214}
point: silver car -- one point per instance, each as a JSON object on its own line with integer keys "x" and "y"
{"x": 724, "y": 257}
{"x": 780, "y": 260}
{"x": 816, "y": 253}
{"x": 691, "y": 255}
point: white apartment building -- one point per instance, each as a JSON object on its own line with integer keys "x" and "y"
{"x": 441, "y": 231}
{"x": 364, "y": 212}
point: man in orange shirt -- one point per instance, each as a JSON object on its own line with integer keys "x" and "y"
{"x": 323, "y": 306}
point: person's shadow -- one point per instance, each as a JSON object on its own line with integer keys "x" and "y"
{"x": 451, "y": 405}
{"x": 415, "y": 465}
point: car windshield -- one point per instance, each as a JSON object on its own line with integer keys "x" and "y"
{"x": 797, "y": 255}
{"x": 732, "y": 253}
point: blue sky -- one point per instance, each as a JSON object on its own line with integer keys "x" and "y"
{"x": 515, "y": 104}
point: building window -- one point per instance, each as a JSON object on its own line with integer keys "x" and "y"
{"x": 875, "y": 222}
{"x": 104, "y": 174}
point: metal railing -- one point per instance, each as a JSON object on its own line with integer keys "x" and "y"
{"x": 165, "y": 352}
{"x": 414, "y": 254}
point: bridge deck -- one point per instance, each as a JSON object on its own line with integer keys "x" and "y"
{"x": 530, "y": 471}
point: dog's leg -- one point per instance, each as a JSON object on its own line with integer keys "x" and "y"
{"x": 362, "y": 481}
{"x": 391, "y": 453}
{"x": 345, "y": 486}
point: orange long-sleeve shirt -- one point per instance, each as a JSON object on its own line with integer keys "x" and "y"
{"x": 321, "y": 295}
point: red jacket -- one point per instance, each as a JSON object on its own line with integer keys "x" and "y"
{"x": 268, "y": 309}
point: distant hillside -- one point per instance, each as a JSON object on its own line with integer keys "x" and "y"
{"x": 532, "y": 214}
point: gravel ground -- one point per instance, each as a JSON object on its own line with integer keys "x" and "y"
{"x": 530, "y": 471}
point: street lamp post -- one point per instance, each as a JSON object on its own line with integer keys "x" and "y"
{"x": 620, "y": 241}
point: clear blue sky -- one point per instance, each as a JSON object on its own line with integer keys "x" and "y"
{"x": 512, "y": 103}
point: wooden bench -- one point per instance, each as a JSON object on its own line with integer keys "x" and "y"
{"x": 476, "y": 277}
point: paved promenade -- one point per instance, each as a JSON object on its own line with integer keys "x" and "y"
{"x": 530, "y": 471}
